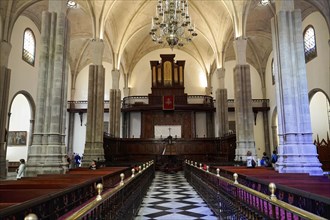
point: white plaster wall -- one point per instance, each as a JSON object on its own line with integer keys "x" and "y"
{"x": 135, "y": 126}
{"x": 79, "y": 134}
{"x": 259, "y": 135}
{"x": 201, "y": 124}
{"x": 194, "y": 77}
{"x": 19, "y": 121}
{"x": 319, "y": 116}
{"x": 318, "y": 69}
{"x": 23, "y": 75}
{"x": 81, "y": 84}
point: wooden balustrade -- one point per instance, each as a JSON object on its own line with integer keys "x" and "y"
{"x": 120, "y": 202}
{"x": 230, "y": 199}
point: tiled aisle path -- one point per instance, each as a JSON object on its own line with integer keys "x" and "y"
{"x": 170, "y": 197}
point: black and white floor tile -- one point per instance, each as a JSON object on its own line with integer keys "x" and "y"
{"x": 170, "y": 197}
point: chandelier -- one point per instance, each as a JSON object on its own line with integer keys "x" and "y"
{"x": 172, "y": 23}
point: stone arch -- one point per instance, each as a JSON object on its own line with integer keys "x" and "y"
{"x": 32, "y": 105}
{"x": 316, "y": 90}
{"x": 319, "y": 106}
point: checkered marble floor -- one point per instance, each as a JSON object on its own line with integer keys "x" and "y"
{"x": 170, "y": 197}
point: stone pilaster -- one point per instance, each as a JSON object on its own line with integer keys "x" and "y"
{"x": 114, "y": 112}
{"x": 115, "y": 105}
{"x": 274, "y": 135}
{"x": 222, "y": 104}
{"x": 297, "y": 153}
{"x": 266, "y": 132}
{"x": 95, "y": 115}
{"x": 4, "y": 93}
{"x": 47, "y": 153}
{"x": 127, "y": 91}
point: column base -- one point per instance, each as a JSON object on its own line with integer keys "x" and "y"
{"x": 46, "y": 159}
{"x": 242, "y": 148}
{"x": 298, "y": 158}
{"x": 93, "y": 151}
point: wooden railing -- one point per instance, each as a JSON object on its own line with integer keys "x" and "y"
{"x": 120, "y": 202}
{"x": 231, "y": 200}
{"x": 143, "y": 101}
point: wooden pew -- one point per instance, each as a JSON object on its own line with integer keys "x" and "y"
{"x": 54, "y": 193}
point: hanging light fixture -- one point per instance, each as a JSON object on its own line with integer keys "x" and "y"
{"x": 172, "y": 23}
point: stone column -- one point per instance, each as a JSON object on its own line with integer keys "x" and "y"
{"x": 5, "y": 75}
{"x": 4, "y": 94}
{"x": 244, "y": 118}
{"x": 47, "y": 153}
{"x": 95, "y": 116}
{"x": 71, "y": 133}
{"x": 115, "y": 105}
{"x": 222, "y": 104}
{"x": 297, "y": 153}
{"x": 95, "y": 108}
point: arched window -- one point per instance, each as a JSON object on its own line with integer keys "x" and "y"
{"x": 29, "y": 46}
{"x": 309, "y": 43}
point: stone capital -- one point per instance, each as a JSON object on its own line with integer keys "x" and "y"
{"x": 58, "y": 6}
{"x": 221, "y": 77}
{"x": 240, "y": 50}
{"x": 287, "y": 5}
{"x": 115, "y": 78}
{"x": 98, "y": 47}
{"x": 127, "y": 91}
{"x": 208, "y": 90}
{"x": 220, "y": 73}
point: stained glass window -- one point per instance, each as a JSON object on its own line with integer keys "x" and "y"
{"x": 29, "y": 46}
{"x": 309, "y": 43}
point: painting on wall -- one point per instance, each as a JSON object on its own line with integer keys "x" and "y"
{"x": 17, "y": 138}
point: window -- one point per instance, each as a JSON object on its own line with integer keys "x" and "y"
{"x": 309, "y": 43}
{"x": 29, "y": 46}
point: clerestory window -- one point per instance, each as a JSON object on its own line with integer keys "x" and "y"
{"x": 29, "y": 46}
{"x": 309, "y": 43}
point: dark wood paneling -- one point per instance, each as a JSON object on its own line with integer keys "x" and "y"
{"x": 152, "y": 118}
{"x": 198, "y": 149}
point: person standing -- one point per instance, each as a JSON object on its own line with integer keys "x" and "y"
{"x": 21, "y": 169}
{"x": 274, "y": 158}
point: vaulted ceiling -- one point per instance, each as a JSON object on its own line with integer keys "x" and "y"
{"x": 124, "y": 26}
